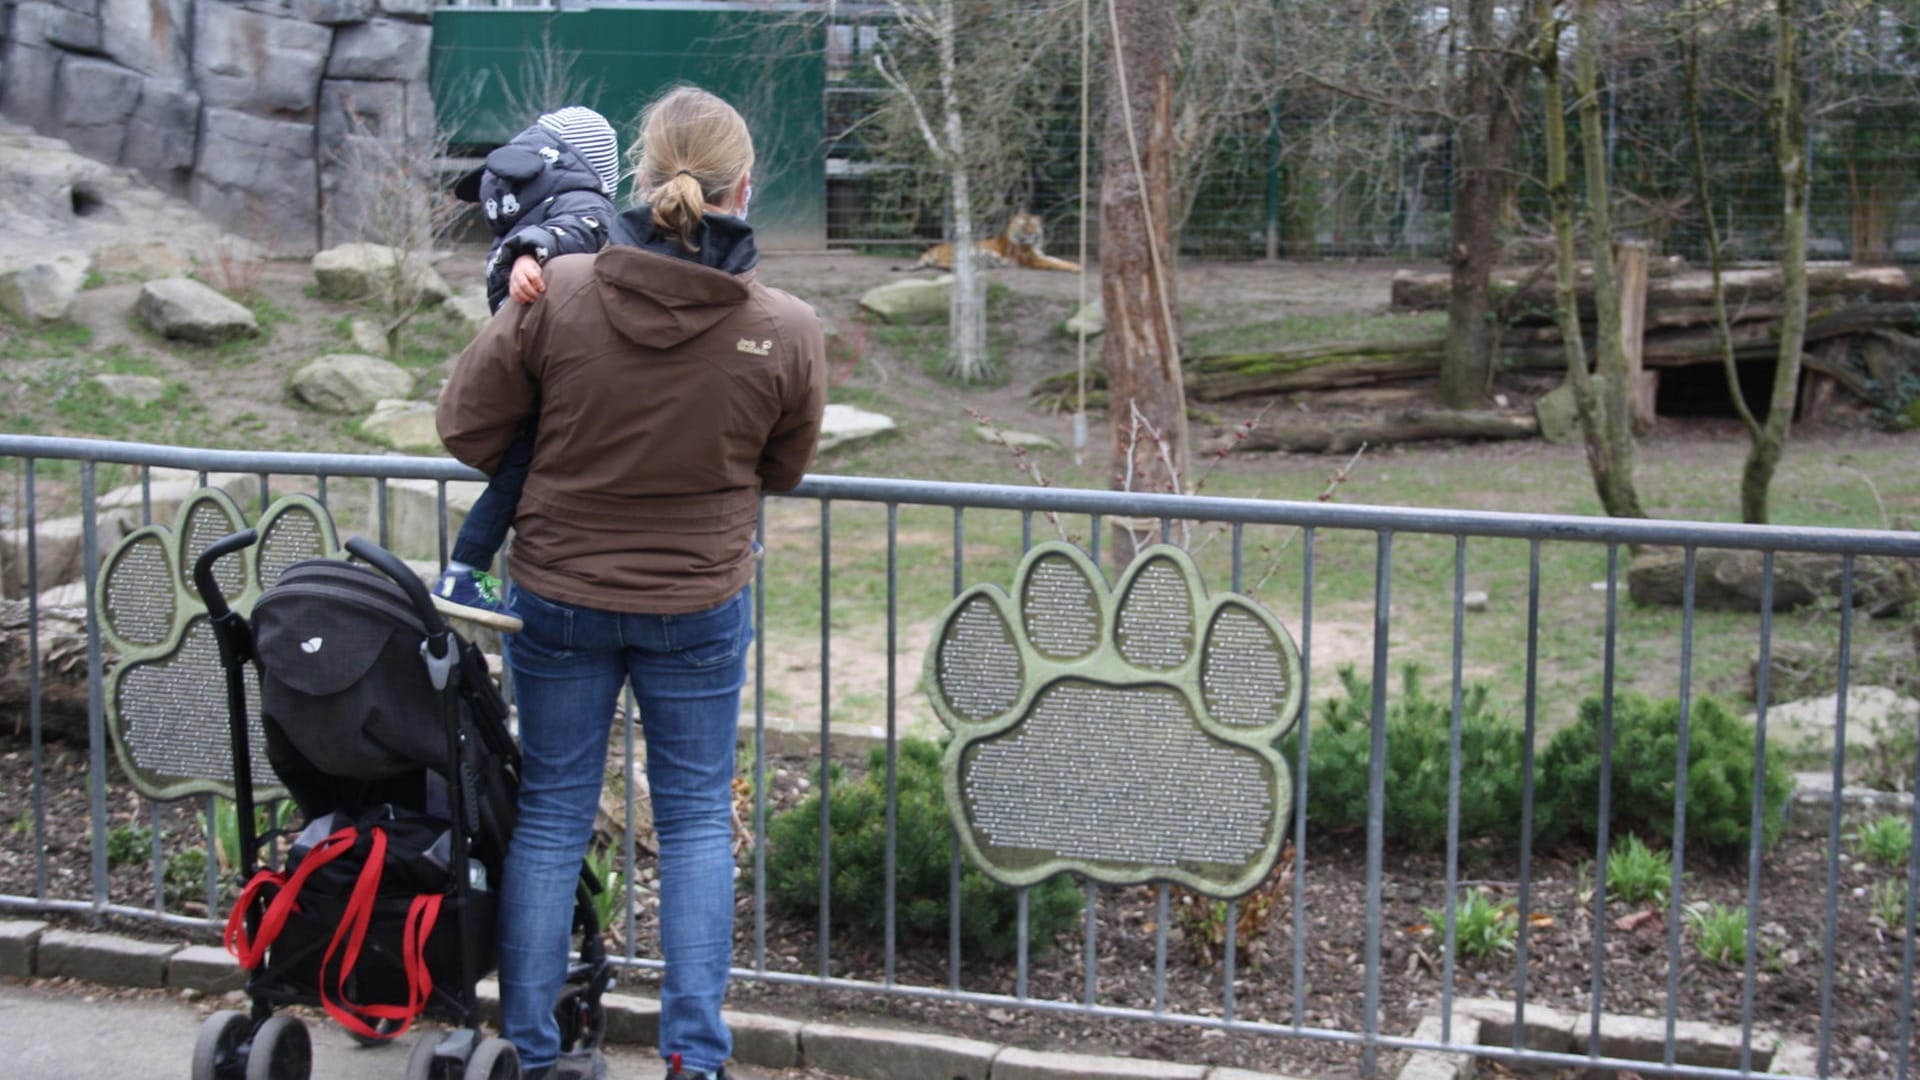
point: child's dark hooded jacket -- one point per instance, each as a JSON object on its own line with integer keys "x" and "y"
{"x": 540, "y": 197}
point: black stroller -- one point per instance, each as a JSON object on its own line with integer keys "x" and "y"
{"x": 384, "y": 728}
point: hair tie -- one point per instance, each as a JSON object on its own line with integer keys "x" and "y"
{"x": 686, "y": 172}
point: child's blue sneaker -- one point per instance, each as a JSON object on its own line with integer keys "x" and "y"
{"x": 474, "y": 595}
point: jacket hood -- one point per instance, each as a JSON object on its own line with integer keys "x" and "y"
{"x": 658, "y": 294}
{"x": 524, "y": 175}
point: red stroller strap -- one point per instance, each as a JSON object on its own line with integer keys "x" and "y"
{"x": 250, "y": 951}
{"x": 422, "y": 914}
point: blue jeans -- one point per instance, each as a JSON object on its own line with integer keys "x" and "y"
{"x": 569, "y": 665}
{"x": 485, "y": 529}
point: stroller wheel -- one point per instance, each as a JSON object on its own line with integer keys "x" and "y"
{"x": 386, "y": 1028}
{"x": 422, "y": 1063}
{"x": 219, "y": 1052}
{"x": 493, "y": 1059}
{"x": 281, "y": 1050}
{"x": 582, "y": 1019}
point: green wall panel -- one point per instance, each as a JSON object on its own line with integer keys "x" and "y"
{"x": 768, "y": 64}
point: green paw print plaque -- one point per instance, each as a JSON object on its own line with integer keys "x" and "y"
{"x": 166, "y": 702}
{"x": 1127, "y": 734}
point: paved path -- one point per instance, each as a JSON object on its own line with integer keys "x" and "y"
{"x": 49, "y": 1033}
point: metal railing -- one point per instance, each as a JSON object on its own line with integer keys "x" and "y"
{"x": 67, "y": 473}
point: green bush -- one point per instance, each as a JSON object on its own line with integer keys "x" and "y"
{"x": 1646, "y": 739}
{"x": 1418, "y": 739}
{"x": 922, "y": 853}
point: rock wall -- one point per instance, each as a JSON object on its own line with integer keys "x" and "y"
{"x": 242, "y": 106}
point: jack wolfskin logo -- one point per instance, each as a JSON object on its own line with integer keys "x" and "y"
{"x": 311, "y": 645}
{"x": 757, "y": 348}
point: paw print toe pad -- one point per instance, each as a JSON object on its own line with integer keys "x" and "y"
{"x": 1244, "y": 675}
{"x": 138, "y": 601}
{"x": 1155, "y": 621}
{"x": 980, "y": 675}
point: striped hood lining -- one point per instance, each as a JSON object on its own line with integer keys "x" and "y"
{"x": 592, "y": 137}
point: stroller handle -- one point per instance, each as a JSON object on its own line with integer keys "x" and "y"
{"x": 389, "y": 564}
{"x": 203, "y": 579}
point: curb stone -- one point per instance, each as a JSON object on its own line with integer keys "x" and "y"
{"x": 18, "y": 937}
{"x": 206, "y": 968}
{"x": 1489, "y": 1022}
{"x": 873, "y": 1054}
{"x": 103, "y": 958}
{"x": 771, "y": 1042}
{"x": 1017, "y": 1064}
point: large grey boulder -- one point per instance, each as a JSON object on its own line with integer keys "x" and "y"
{"x": 166, "y": 489}
{"x": 1091, "y": 318}
{"x": 44, "y": 291}
{"x": 162, "y": 134}
{"x": 373, "y": 271}
{"x": 415, "y": 10}
{"x": 404, "y": 425}
{"x": 246, "y": 59}
{"x": 1024, "y": 440}
{"x": 381, "y": 49}
{"x": 182, "y": 309}
{"x": 348, "y": 383}
{"x": 137, "y": 389}
{"x": 843, "y": 424}
{"x": 413, "y": 514}
{"x": 251, "y": 168}
{"x": 139, "y": 260}
{"x": 914, "y": 300}
{"x": 334, "y": 12}
{"x": 95, "y": 101}
{"x": 469, "y": 310}
{"x": 57, "y": 25}
{"x": 149, "y": 36}
{"x": 60, "y": 545}
{"x": 27, "y": 83}
{"x": 1559, "y": 414}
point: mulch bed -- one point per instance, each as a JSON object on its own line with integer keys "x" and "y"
{"x": 1866, "y": 992}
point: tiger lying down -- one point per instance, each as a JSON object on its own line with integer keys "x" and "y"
{"x": 1018, "y": 246}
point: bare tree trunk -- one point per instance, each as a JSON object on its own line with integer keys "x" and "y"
{"x": 1147, "y": 415}
{"x": 1482, "y": 140}
{"x": 967, "y": 310}
{"x": 1789, "y": 122}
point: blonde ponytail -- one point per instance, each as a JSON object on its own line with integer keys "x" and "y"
{"x": 693, "y": 149}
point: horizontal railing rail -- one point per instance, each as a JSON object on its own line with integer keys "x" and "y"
{"x": 1357, "y": 541}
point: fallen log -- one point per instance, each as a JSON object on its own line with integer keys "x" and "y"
{"x": 1304, "y": 434}
{"x": 62, "y": 654}
{"x": 1427, "y": 290}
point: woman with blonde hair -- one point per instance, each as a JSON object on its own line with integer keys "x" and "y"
{"x": 671, "y": 389}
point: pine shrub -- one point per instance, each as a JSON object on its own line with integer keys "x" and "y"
{"x": 1418, "y": 742}
{"x": 922, "y": 852}
{"x": 1646, "y": 740}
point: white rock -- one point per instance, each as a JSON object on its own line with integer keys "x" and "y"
{"x": 1093, "y": 317}
{"x": 413, "y": 515}
{"x": 1028, "y": 439}
{"x": 912, "y": 300}
{"x": 367, "y": 338}
{"x": 60, "y": 544}
{"x": 44, "y": 290}
{"x": 167, "y": 488}
{"x": 1474, "y": 600}
{"x": 349, "y": 383}
{"x": 185, "y": 310}
{"x": 140, "y": 260}
{"x": 139, "y": 389}
{"x": 374, "y": 272}
{"x": 469, "y": 310}
{"x": 843, "y": 424}
{"x": 404, "y": 425}
{"x": 1871, "y": 711}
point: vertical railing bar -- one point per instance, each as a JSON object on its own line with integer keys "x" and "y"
{"x": 320, "y": 490}
{"x": 212, "y": 820}
{"x": 146, "y": 494}
{"x": 1453, "y": 788}
{"x": 1160, "y": 949}
{"x": 1756, "y": 834}
{"x": 96, "y": 715}
{"x": 1026, "y": 531}
{"x": 893, "y": 746}
{"x": 1523, "y": 936}
{"x": 1166, "y": 530}
{"x": 1831, "y": 926}
{"x": 380, "y": 499}
{"x": 266, "y": 491}
{"x": 1602, "y": 829}
{"x": 1299, "y": 914}
{"x": 953, "y": 835}
{"x": 1023, "y": 909}
{"x": 156, "y": 858}
{"x": 440, "y": 521}
{"x": 1090, "y": 945}
{"x": 35, "y": 735}
{"x": 630, "y": 853}
{"x": 1093, "y": 531}
{"x": 1239, "y": 555}
{"x": 201, "y": 480}
{"x": 1230, "y": 944}
{"x": 1683, "y": 744}
{"x": 1907, "y": 941}
{"x": 1376, "y": 796}
{"x": 826, "y": 738}
{"x": 760, "y": 744}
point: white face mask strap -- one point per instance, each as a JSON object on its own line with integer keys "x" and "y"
{"x": 746, "y": 199}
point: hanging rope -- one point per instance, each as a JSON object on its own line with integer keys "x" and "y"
{"x": 1080, "y": 313}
